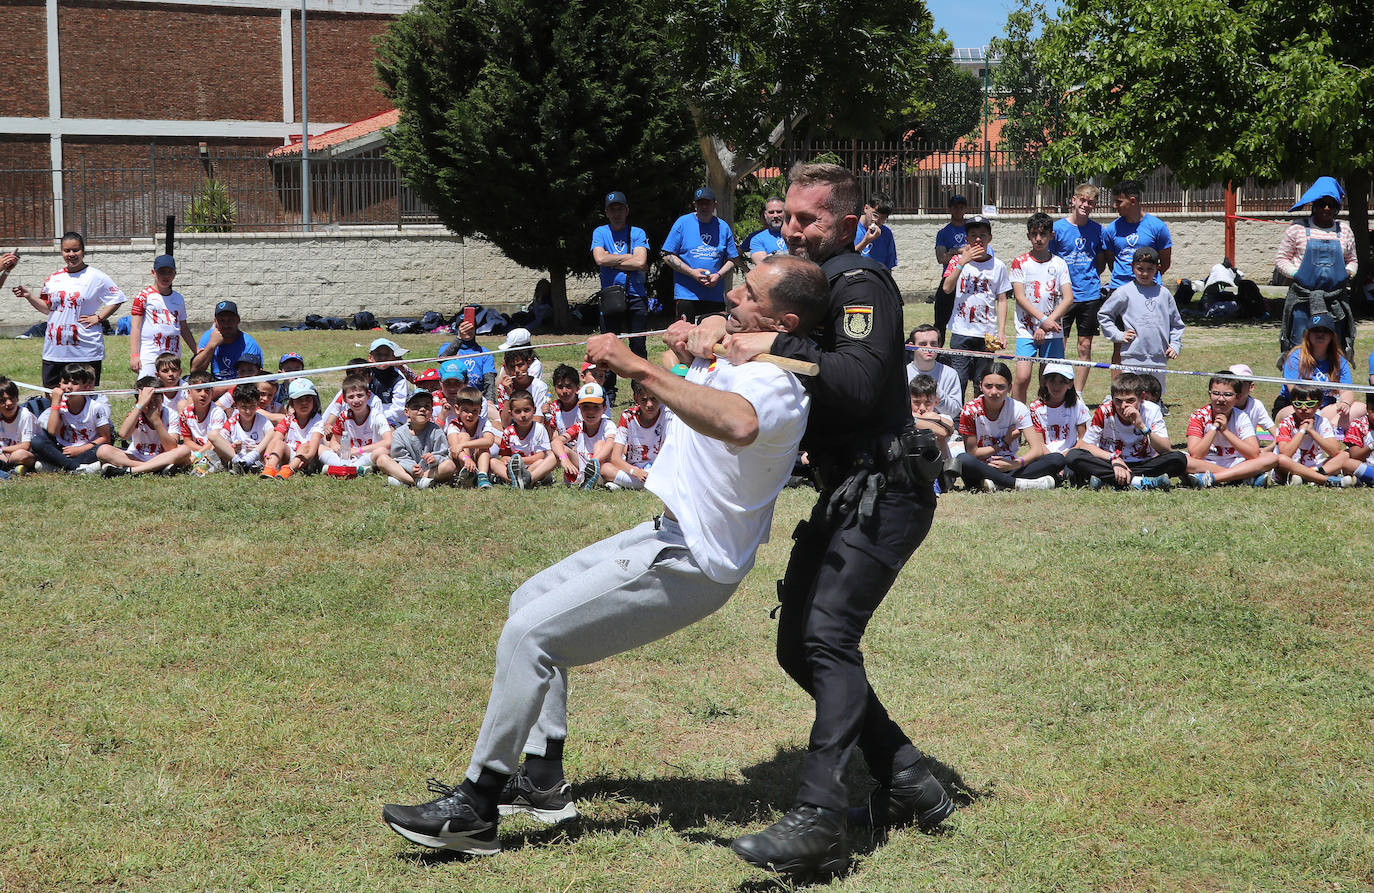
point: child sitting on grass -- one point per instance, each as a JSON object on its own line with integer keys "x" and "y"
{"x": 519, "y": 378}
{"x": 419, "y": 452}
{"x": 587, "y": 443}
{"x": 17, "y": 427}
{"x": 357, "y": 367}
{"x": 1359, "y": 443}
{"x": 993, "y": 426}
{"x": 1126, "y": 443}
{"x": 1222, "y": 447}
{"x": 523, "y": 457}
{"x": 167, "y": 369}
{"x": 148, "y": 428}
{"x": 561, "y": 412}
{"x": 1307, "y": 442}
{"x": 1265, "y": 429}
{"x": 638, "y": 438}
{"x": 1057, "y": 411}
{"x": 295, "y": 443}
{"x": 199, "y": 417}
{"x": 242, "y": 441}
{"x": 358, "y": 436}
{"x": 924, "y": 393}
{"x": 470, "y": 438}
{"x": 73, "y": 428}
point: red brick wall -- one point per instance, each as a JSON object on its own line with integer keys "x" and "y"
{"x": 25, "y": 152}
{"x": 176, "y": 62}
{"x": 343, "y": 84}
{"x": 24, "y": 87}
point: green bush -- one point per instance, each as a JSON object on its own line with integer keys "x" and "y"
{"x": 213, "y": 211}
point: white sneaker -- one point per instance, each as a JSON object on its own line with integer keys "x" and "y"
{"x": 423, "y": 483}
{"x": 1044, "y": 483}
{"x": 88, "y": 468}
{"x": 394, "y": 482}
{"x": 988, "y": 486}
{"x": 40, "y": 466}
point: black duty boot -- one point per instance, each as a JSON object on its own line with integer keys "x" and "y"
{"x": 912, "y": 796}
{"x": 807, "y": 843}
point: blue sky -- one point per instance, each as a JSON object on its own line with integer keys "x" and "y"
{"x": 970, "y": 24}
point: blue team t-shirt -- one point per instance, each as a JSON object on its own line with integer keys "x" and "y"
{"x": 223, "y": 360}
{"x": 1321, "y": 373}
{"x": 1122, "y": 239}
{"x": 950, "y": 236}
{"x": 767, "y": 241}
{"x": 476, "y": 362}
{"x": 624, "y": 241}
{"x": 882, "y": 249}
{"x": 704, "y": 246}
{"x": 1079, "y": 246}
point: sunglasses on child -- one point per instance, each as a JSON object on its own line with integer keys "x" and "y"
{"x": 1305, "y": 404}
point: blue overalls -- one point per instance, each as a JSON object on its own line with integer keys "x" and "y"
{"x": 1322, "y": 269}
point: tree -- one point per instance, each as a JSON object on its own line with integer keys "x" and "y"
{"x": 517, "y": 117}
{"x": 751, "y": 71}
{"x": 949, "y": 106}
{"x": 1025, "y": 92}
{"x": 1217, "y": 90}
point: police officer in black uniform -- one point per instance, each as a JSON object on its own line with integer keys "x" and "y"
{"x": 874, "y": 473}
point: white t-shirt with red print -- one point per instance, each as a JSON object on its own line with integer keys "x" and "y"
{"x": 1309, "y": 453}
{"x": 975, "y": 296}
{"x": 1059, "y": 424}
{"x": 246, "y": 440}
{"x": 510, "y": 443}
{"x": 1108, "y": 432}
{"x": 71, "y": 296}
{"x": 1223, "y": 452}
{"x": 161, "y": 332}
{"x": 1044, "y": 282}
{"x": 583, "y": 441}
{"x": 360, "y": 436}
{"x": 294, "y": 433}
{"x": 1015, "y": 416}
{"x": 642, "y": 443}
{"x": 20, "y": 430}
{"x": 144, "y": 442}
{"x": 78, "y": 427}
{"x": 1358, "y": 434}
{"x": 557, "y": 419}
{"x": 199, "y": 429}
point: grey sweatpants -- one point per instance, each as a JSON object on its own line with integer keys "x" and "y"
{"x": 615, "y": 595}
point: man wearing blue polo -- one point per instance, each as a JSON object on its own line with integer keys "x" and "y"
{"x": 700, "y": 248}
{"x": 768, "y": 240}
{"x": 621, "y": 253}
{"x": 223, "y": 343}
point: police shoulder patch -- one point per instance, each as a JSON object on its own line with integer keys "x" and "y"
{"x": 858, "y": 321}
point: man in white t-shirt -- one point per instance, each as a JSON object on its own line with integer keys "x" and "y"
{"x": 730, "y": 448}
{"x": 979, "y": 283}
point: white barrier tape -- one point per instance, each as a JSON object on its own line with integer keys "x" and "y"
{"x": 1124, "y": 367}
{"x": 307, "y": 373}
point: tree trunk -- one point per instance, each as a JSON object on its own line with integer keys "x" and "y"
{"x": 1357, "y": 194}
{"x": 558, "y": 296}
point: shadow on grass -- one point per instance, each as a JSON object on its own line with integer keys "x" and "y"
{"x": 691, "y": 805}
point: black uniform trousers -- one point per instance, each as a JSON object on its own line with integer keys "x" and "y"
{"x": 836, "y": 577}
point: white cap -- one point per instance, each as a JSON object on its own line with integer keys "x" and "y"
{"x": 516, "y": 338}
{"x": 1241, "y": 369}
{"x": 300, "y": 387}
{"x": 1063, "y": 369}
{"x": 396, "y": 349}
{"x": 591, "y": 393}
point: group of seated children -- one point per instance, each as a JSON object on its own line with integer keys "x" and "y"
{"x": 1002, "y": 444}
{"x": 444, "y": 431}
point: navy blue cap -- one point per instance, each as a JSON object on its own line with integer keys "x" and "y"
{"x": 705, "y": 192}
{"x": 617, "y": 197}
{"x": 1322, "y": 321}
{"x": 956, "y": 199}
{"x": 164, "y": 260}
{"x": 977, "y": 220}
{"x": 226, "y": 307}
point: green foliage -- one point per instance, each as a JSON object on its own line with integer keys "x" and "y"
{"x": 948, "y": 105}
{"x": 750, "y": 197}
{"x": 1027, "y": 93}
{"x": 518, "y": 116}
{"x": 748, "y": 67}
{"x": 212, "y": 210}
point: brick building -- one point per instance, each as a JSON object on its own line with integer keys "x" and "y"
{"x": 104, "y": 84}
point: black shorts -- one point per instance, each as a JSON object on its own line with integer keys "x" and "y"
{"x": 1083, "y": 316}
{"x": 52, "y": 372}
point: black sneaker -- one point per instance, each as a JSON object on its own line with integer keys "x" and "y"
{"x": 808, "y": 844}
{"x": 521, "y": 797}
{"x": 913, "y": 796}
{"x": 448, "y": 822}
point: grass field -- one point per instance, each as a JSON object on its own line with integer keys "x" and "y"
{"x": 215, "y": 684}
